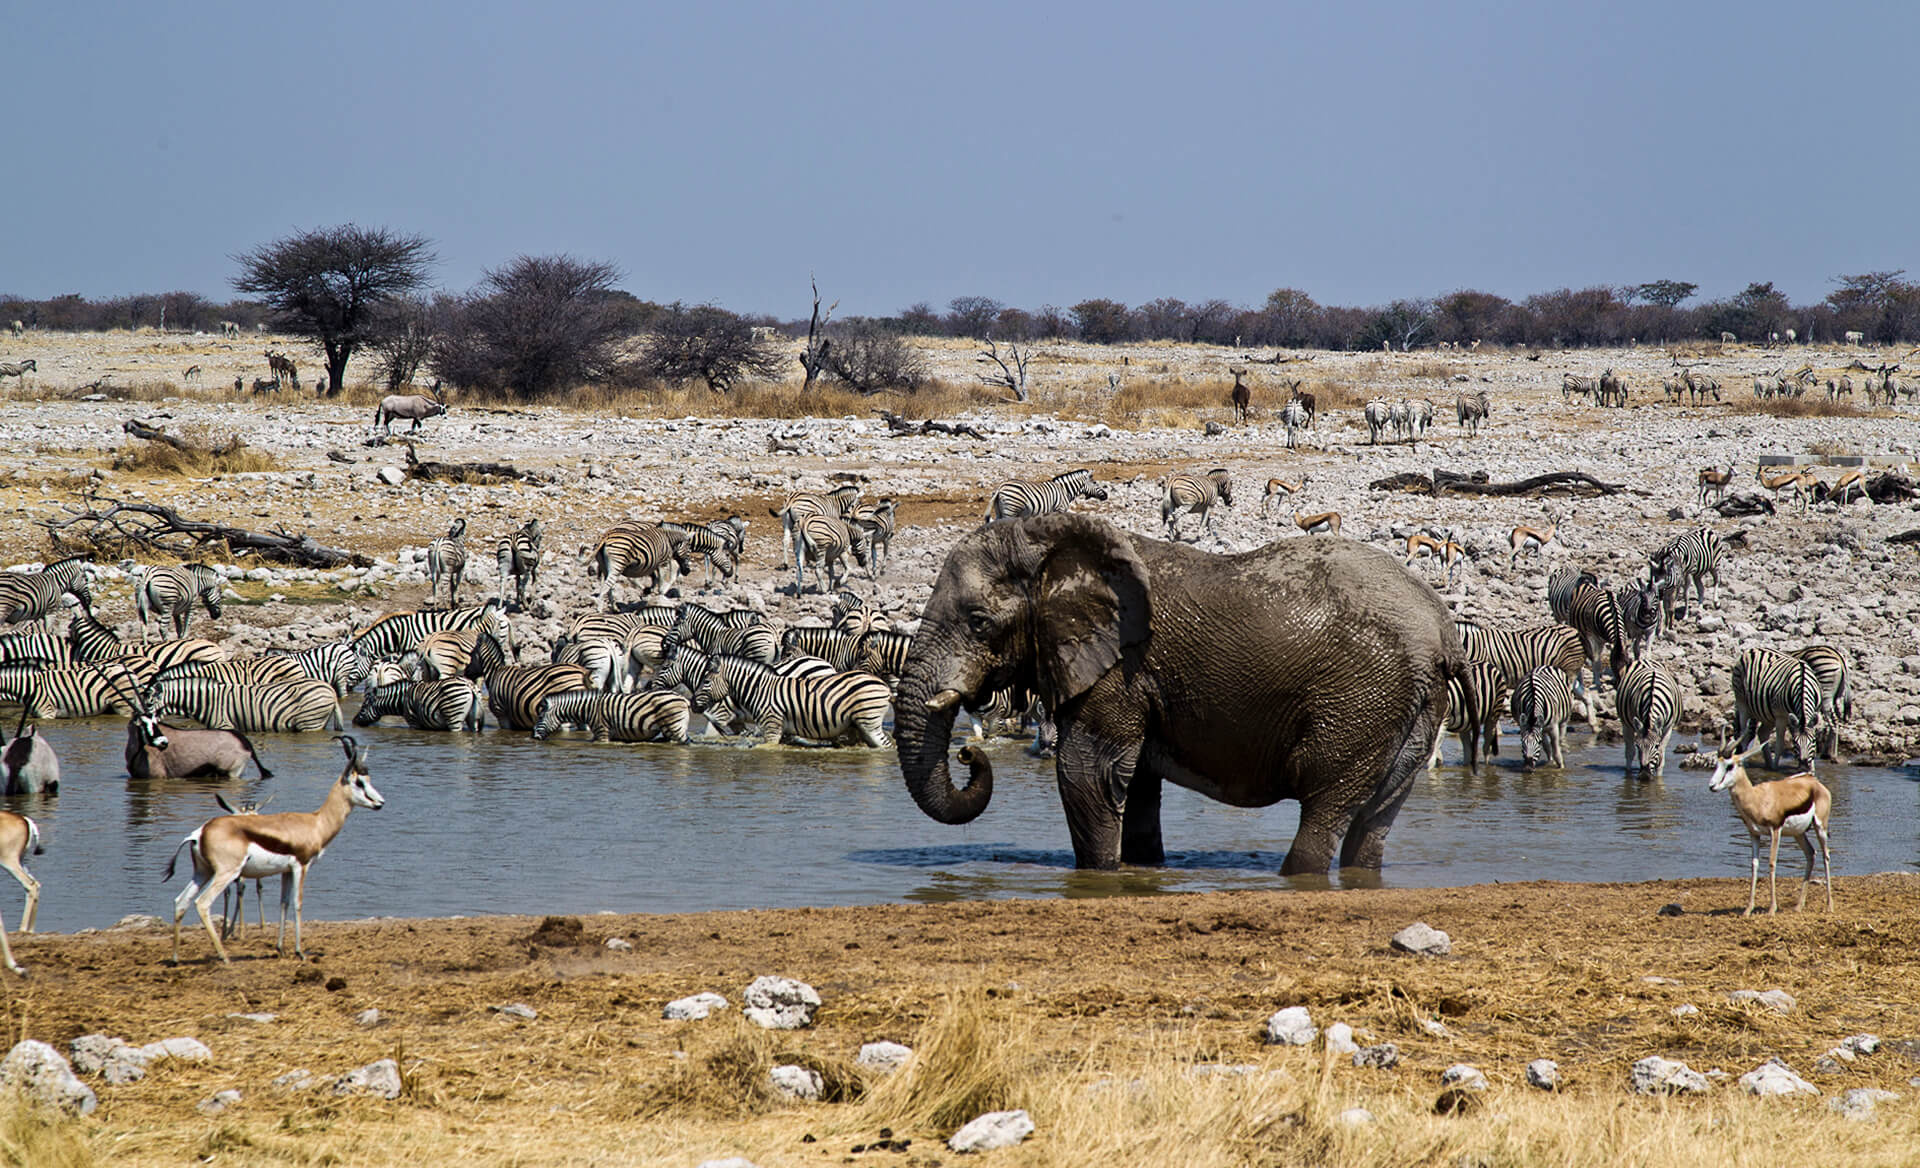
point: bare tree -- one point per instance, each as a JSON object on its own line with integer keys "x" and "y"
{"x": 814, "y": 358}
{"x": 1013, "y": 368}
{"x": 710, "y": 343}
{"x": 326, "y": 284}
{"x": 868, "y": 358}
{"x": 402, "y": 338}
{"x": 539, "y": 325}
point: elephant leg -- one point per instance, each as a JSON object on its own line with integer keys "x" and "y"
{"x": 1095, "y": 775}
{"x": 1140, "y": 821}
{"x": 1365, "y": 845}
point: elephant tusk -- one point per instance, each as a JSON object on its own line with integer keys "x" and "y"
{"x": 944, "y": 701}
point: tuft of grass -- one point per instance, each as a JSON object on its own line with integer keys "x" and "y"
{"x": 1436, "y": 370}
{"x": 731, "y": 1079}
{"x": 1806, "y": 406}
{"x": 208, "y": 452}
{"x": 35, "y": 1137}
{"x": 968, "y": 1059}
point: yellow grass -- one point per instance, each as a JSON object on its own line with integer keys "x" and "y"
{"x": 34, "y": 1137}
{"x": 210, "y": 452}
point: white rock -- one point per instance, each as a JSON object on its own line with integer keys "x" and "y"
{"x": 218, "y": 1102}
{"x": 885, "y": 1057}
{"x": 1777, "y": 1000}
{"x": 1380, "y": 1056}
{"x": 187, "y": 1050}
{"x": 1463, "y": 1076}
{"x": 1354, "y": 1117}
{"x": 381, "y": 1080}
{"x": 1435, "y": 1027}
{"x": 519, "y": 1010}
{"x": 779, "y": 1003}
{"x": 1291, "y": 1027}
{"x": 1544, "y": 1074}
{"x": 1654, "y": 1075}
{"x": 1858, "y": 1103}
{"x": 136, "y": 921}
{"x": 1862, "y": 1043}
{"x": 296, "y": 1080}
{"x": 393, "y": 476}
{"x": 1423, "y": 940}
{"x": 694, "y": 1008}
{"x": 1774, "y": 1077}
{"x": 619, "y": 944}
{"x": 1339, "y": 1039}
{"x": 257, "y": 1019}
{"x": 995, "y": 1129}
{"x": 92, "y": 1052}
{"x": 367, "y": 1017}
{"x": 796, "y": 1082}
{"x": 43, "y": 1075}
{"x": 1685, "y": 1010}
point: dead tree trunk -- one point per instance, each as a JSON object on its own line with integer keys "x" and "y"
{"x": 814, "y": 358}
{"x": 1013, "y": 368}
{"x": 120, "y": 528}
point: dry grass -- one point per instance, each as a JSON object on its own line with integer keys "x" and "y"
{"x": 969, "y": 1058}
{"x": 210, "y": 452}
{"x": 1805, "y": 406}
{"x": 33, "y": 1137}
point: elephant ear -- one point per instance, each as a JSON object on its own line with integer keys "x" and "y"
{"x": 1091, "y": 602}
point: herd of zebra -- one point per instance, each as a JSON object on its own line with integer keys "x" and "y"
{"x": 1878, "y": 385}
{"x": 1410, "y": 419}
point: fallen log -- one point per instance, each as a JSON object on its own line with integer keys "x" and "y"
{"x": 464, "y": 472}
{"x": 1892, "y": 487}
{"x": 1739, "y": 505}
{"x": 1562, "y": 482}
{"x": 1410, "y": 483}
{"x": 119, "y": 528}
{"x": 899, "y": 425}
{"x": 146, "y": 433}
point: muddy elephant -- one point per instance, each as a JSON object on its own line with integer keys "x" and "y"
{"x": 1312, "y": 669}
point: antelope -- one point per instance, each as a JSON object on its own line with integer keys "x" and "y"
{"x": 1242, "y": 395}
{"x": 1324, "y": 523}
{"x": 1281, "y": 489}
{"x": 192, "y": 373}
{"x": 1793, "y": 481}
{"x": 1854, "y": 337}
{"x": 1852, "y": 482}
{"x": 1793, "y": 806}
{"x": 236, "y": 920}
{"x": 415, "y": 406}
{"x": 1529, "y": 539}
{"x": 1448, "y": 551}
{"x": 18, "y": 835}
{"x": 1714, "y": 482}
{"x": 233, "y": 847}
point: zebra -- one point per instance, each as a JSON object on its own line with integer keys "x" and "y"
{"x": 1022, "y": 498}
{"x": 163, "y": 594}
{"x": 20, "y": 369}
{"x": 336, "y": 663}
{"x": 1004, "y": 713}
{"x": 1641, "y": 617}
{"x": 1542, "y": 705}
{"x": 826, "y": 539}
{"x": 1401, "y": 415}
{"x": 1294, "y": 416}
{"x": 657, "y": 715}
{"x": 1518, "y": 652}
{"x": 519, "y": 556}
{"x": 80, "y": 691}
{"x": 1611, "y": 389}
{"x": 840, "y": 501}
{"x": 1572, "y": 385}
{"x": 1596, "y": 613}
{"x": 514, "y": 692}
{"x": 852, "y": 614}
{"x": 293, "y": 706}
{"x": 1776, "y": 696}
{"x": 34, "y": 596}
{"x": 821, "y": 641}
{"x": 89, "y": 640}
{"x": 1194, "y": 492}
{"x": 397, "y": 632}
{"x": 39, "y": 649}
{"x": 1419, "y": 418}
{"x": 452, "y": 703}
{"x": 651, "y": 552}
{"x": 1836, "y": 693}
{"x": 1562, "y": 583}
{"x": 1648, "y": 702}
{"x": 714, "y": 631}
{"x": 1379, "y": 415}
{"x": 702, "y": 540}
{"x": 878, "y": 519}
{"x": 1690, "y": 556}
{"x": 447, "y": 556}
{"x": 1475, "y": 698}
{"x": 1699, "y": 385}
{"x": 883, "y": 653}
{"x": 1470, "y": 411}
{"x": 809, "y": 709}
{"x": 242, "y": 671}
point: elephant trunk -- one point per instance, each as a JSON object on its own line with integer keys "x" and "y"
{"x": 923, "y": 730}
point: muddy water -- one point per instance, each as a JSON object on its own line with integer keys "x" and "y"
{"x": 496, "y": 823}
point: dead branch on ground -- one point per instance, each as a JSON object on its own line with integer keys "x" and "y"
{"x": 112, "y": 528}
{"x": 899, "y": 425}
{"x": 464, "y": 472}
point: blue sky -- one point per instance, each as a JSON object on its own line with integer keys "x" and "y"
{"x": 1035, "y": 153}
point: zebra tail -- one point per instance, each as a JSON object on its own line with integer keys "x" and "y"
{"x": 248, "y": 743}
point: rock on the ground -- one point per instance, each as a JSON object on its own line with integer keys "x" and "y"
{"x": 1544, "y": 1074}
{"x": 393, "y": 476}
{"x": 218, "y": 1102}
{"x": 92, "y": 1052}
{"x": 43, "y": 1075}
{"x": 518, "y": 1010}
{"x": 694, "y": 1008}
{"x": 187, "y": 1050}
{"x": 1685, "y": 1010}
{"x": 257, "y": 1019}
{"x": 1774, "y": 1077}
{"x": 779, "y": 1003}
{"x": 1654, "y": 1075}
{"x": 796, "y": 1082}
{"x": 1354, "y": 1117}
{"x": 1861, "y": 1043}
{"x": 885, "y": 1057}
{"x": 1380, "y": 1056}
{"x": 1435, "y": 1027}
{"x": 1291, "y": 1027}
{"x": 1339, "y": 1039}
{"x": 380, "y": 1079}
{"x": 1464, "y": 1077}
{"x": 995, "y": 1129}
{"x": 729, "y": 1162}
{"x": 296, "y": 1080}
{"x": 1858, "y": 1104}
{"x": 1422, "y": 940}
{"x": 1778, "y": 1000}
{"x": 367, "y": 1017}
{"x": 619, "y": 944}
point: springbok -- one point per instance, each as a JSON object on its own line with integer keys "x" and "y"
{"x": 1854, "y": 337}
{"x": 234, "y": 847}
{"x": 1714, "y": 482}
{"x": 1793, "y": 806}
{"x": 1853, "y": 482}
{"x": 1281, "y": 489}
{"x": 1523, "y": 539}
{"x": 1796, "y": 482}
{"x": 1324, "y": 523}
{"x": 18, "y": 835}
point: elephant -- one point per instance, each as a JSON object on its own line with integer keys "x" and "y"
{"x": 1312, "y": 669}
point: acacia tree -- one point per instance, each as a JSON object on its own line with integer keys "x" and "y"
{"x": 327, "y": 284}
{"x": 710, "y": 343}
{"x": 538, "y": 325}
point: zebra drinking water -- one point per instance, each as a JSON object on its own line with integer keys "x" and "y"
{"x": 1541, "y": 706}
{"x": 1836, "y": 692}
{"x": 654, "y": 716}
{"x": 819, "y": 710}
{"x": 452, "y": 703}
{"x": 1778, "y": 697}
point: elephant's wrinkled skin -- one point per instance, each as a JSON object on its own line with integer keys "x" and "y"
{"x": 1311, "y": 669}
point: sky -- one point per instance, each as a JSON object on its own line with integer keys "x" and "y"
{"x": 1035, "y": 153}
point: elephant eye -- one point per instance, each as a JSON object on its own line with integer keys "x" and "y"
{"x": 979, "y": 620}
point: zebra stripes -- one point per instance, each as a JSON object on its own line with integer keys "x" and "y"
{"x": 826, "y": 540}
{"x": 883, "y": 653}
{"x": 1022, "y": 498}
{"x": 1474, "y": 700}
{"x": 40, "y": 649}
{"x": 1379, "y": 415}
{"x": 1641, "y": 617}
{"x": 335, "y": 663}
{"x": 397, "y": 632}
{"x": 823, "y": 710}
{"x": 242, "y": 671}
{"x": 1294, "y": 416}
{"x": 1648, "y": 702}
{"x": 443, "y": 654}
{"x": 79, "y": 691}
{"x": 1187, "y": 492}
{"x": 34, "y": 596}
{"x": 715, "y": 631}
{"x": 1689, "y": 557}
{"x": 716, "y": 547}
{"x": 635, "y": 552}
{"x": 878, "y": 520}
{"x": 1776, "y": 696}
{"x": 514, "y": 692}
{"x": 831, "y": 645}
{"x": 1596, "y": 613}
{"x": 449, "y": 704}
{"x": 1830, "y": 669}
{"x": 657, "y": 715}
{"x": 447, "y": 557}
{"x": 1562, "y": 583}
{"x": 1516, "y": 653}
{"x": 1470, "y": 411}
{"x": 840, "y": 501}
{"x": 291, "y": 707}
{"x": 1541, "y": 706}
{"x": 519, "y": 556}
{"x": 163, "y": 594}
